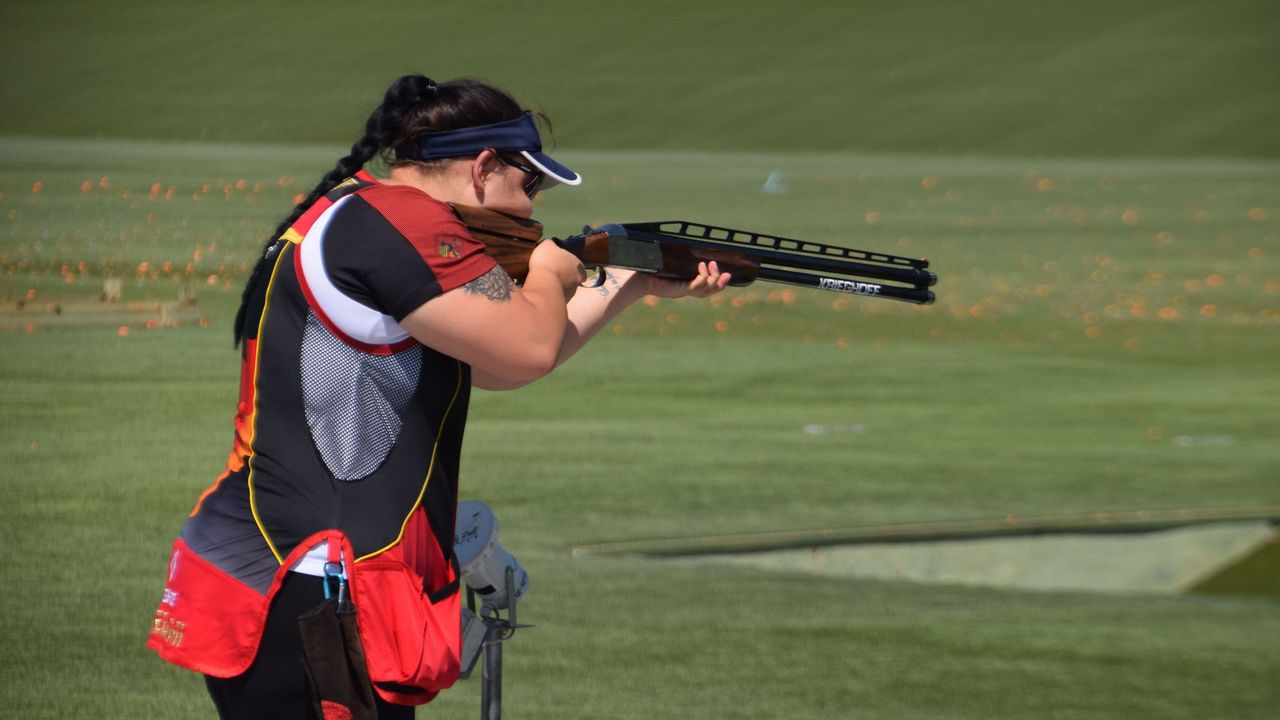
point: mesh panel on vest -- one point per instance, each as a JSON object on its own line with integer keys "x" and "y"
{"x": 354, "y": 400}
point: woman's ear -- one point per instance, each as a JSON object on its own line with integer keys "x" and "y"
{"x": 481, "y": 168}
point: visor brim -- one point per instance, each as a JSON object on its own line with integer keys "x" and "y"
{"x": 554, "y": 173}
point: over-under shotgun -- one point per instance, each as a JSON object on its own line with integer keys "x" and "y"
{"x": 673, "y": 249}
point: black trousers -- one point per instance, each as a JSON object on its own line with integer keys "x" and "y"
{"x": 275, "y": 685}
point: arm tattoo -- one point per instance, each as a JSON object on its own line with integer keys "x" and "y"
{"x": 494, "y": 285}
{"x": 610, "y": 279}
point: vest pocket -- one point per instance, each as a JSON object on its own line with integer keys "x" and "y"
{"x": 207, "y": 621}
{"x": 411, "y": 636}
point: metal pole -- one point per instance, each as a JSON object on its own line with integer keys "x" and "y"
{"x": 491, "y": 679}
{"x": 491, "y": 672}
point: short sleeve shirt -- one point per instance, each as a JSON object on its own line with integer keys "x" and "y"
{"x": 393, "y": 248}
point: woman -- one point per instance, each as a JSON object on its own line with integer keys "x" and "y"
{"x": 363, "y": 327}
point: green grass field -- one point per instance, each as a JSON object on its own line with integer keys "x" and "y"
{"x": 1097, "y": 185}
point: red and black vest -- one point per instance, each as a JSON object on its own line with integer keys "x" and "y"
{"x": 348, "y": 432}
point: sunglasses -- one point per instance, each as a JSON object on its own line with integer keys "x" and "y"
{"x": 534, "y": 183}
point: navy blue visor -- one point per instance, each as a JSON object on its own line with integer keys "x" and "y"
{"x": 514, "y": 136}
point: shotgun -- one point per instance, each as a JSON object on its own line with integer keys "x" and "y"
{"x": 672, "y": 249}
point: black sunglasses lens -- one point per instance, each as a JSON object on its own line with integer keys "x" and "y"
{"x": 533, "y": 184}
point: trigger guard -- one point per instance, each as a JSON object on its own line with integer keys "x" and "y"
{"x": 597, "y": 281}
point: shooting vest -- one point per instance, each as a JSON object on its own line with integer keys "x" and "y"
{"x": 347, "y": 440}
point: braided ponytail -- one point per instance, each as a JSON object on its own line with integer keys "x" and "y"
{"x": 404, "y": 103}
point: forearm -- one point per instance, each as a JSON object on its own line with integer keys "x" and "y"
{"x": 591, "y": 309}
{"x": 550, "y": 323}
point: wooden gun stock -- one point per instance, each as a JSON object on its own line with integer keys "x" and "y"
{"x": 507, "y": 239}
{"x": 673, "y": 250}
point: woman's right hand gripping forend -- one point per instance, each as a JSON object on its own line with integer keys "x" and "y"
{"x": 563, "y": 265}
